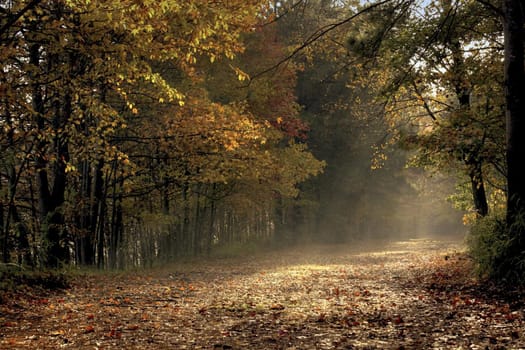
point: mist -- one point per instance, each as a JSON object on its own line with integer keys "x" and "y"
{"x": 368, "y": 190}
{"x": 392, "y": 202}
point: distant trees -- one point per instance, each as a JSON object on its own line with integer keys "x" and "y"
{"x": 365, "y": 190}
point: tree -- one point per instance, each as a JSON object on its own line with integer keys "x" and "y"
{"x": 435, "y": 77}
{"x": 109, "y": 125}
{"x": 514, "y": 32}
{"x": 509, "y": 261}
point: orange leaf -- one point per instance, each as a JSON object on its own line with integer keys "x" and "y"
{"x": 114, "y": 333}
{"x": 277, "y": 307}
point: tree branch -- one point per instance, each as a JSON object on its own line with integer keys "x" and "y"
{"x": 319, "y": 33}
{"x": 11, "y": 21}
{"x": 498, "y": 11}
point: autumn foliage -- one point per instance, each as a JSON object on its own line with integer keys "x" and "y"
{"x": 117, "y": 151}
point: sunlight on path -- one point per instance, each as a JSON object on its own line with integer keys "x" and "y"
{"x": 412, "y": 294}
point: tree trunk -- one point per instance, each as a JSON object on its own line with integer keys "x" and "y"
{"x": 85, "y": 248}
{"x": 165, "y": 189}
{"x": 51, "y": 220}
{"x": 515, "y": 109}
{"x": 5, "y": 236}
{"x": 197, "y": 227}
{"x": 478, "y": 189}
{"x": 187, "y": 239}
{"x": 98, "y": 213}
{"x": 21, "y": 230}
{"x": 211, "y": 226}
{"x": 116, "y": 224}
{"x": 463, "y": 88}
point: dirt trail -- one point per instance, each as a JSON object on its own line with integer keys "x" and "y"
{"x": 413, "y": 294}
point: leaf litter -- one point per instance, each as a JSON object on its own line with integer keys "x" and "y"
{"x": 413, "y": 294}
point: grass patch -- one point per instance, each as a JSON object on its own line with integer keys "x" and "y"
{"x": 233, "y": 250}
{"x": 15, "y": 279}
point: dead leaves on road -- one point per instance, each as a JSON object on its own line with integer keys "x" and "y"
{"x": 412, "y": 295}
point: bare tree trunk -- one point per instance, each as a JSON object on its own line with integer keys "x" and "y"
{"x": 85, "y": 243}
{"x": 197, "y": 227}
{"x": 211, "y": 226}
{"x": 478, "y": 189}
{"x": 515, "y": 108}
{"x": 99, "y": 213}
{"x": 185, "y": 244}
{"x": 116, "y": 225}
{"x": 4, "y": 231}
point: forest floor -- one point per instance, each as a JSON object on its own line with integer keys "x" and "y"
{"x": 412, "y": 294}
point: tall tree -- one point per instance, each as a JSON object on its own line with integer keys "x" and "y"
{"x": 514, "y": 32}
{"x": 511, "y": 262}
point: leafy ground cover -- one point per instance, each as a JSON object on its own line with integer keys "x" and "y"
{"x": 413, "y": 294}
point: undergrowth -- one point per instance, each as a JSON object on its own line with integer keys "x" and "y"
{"x": 15, "y": 279}
{"x": 498, "y": 249}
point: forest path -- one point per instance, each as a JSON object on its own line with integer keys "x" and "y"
{"x": 412, "y": 294}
